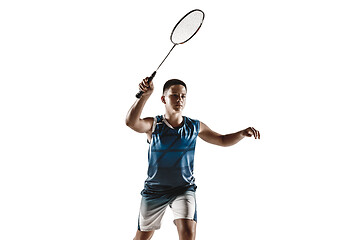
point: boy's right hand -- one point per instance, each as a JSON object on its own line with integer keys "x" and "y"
{"x": 146, "y": 87}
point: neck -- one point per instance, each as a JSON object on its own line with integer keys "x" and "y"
{"x": 175, "y": 119}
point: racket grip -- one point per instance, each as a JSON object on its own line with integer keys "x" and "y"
{"x": 140, "y": 93}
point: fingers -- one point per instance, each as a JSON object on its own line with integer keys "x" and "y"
{"x": 254, "y": 132}
{"x": 145, "y": 85}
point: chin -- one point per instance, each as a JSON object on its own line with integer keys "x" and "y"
{"x": 178, "y": 109}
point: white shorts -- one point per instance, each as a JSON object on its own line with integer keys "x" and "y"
{"x": 152, "y": 209}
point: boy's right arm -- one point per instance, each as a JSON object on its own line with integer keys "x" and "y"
{"x": 133, "y": 119}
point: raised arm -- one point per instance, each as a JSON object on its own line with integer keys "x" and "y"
{"x": 226, "y": 140}
{"x": 133, "y": 119}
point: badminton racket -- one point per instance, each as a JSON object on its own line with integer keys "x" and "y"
{"x": 183, "y": 31}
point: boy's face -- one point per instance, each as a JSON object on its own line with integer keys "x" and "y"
{"x": 175, "y": 98}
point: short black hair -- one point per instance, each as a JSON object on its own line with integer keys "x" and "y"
{"x": 173, "y": 82}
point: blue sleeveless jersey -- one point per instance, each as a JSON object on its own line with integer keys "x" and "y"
{"x": 171, "y": 157}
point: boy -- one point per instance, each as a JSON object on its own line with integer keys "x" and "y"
{"x": 172, "y": 139}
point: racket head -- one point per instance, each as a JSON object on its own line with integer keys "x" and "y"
{"x": 187, "y": 27}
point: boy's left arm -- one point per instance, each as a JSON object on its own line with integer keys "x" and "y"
{"x": 226, "y": 140}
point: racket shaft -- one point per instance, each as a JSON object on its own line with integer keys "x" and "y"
{"x": 166, "y": 57}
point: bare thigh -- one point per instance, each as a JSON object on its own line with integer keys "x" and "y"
{"x": 144, "y": 235}
{"x": 186, "y": 229}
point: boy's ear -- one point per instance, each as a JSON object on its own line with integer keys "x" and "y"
{"x": 163, "y": 99}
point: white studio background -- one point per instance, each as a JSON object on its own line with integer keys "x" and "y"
{"x": 69, "y": 70}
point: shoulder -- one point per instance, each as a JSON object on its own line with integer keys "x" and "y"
{"x": 193, "y": 122}
{"x": 157, "y": 121}
{"x": 158, "y": 118}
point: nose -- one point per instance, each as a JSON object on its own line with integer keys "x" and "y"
{"x": 179, "y": 100}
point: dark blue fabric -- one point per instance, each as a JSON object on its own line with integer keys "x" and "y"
{"x": 171, "y": 157}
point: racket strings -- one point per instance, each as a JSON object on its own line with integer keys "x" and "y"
{"x": 187, "y": 27}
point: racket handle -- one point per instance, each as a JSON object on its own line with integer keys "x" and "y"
{"x": 140, "y": 93}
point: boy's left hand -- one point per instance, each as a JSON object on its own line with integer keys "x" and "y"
{"x": 250, "y": 131}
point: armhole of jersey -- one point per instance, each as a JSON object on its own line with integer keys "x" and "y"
{"x": 154, "y": 125}
{"x": 198, "y": 126}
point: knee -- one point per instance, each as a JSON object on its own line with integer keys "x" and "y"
{"x": 187, "y": 233}
{"x": 142, "y": 238}
{"x": 143, "y": 235}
